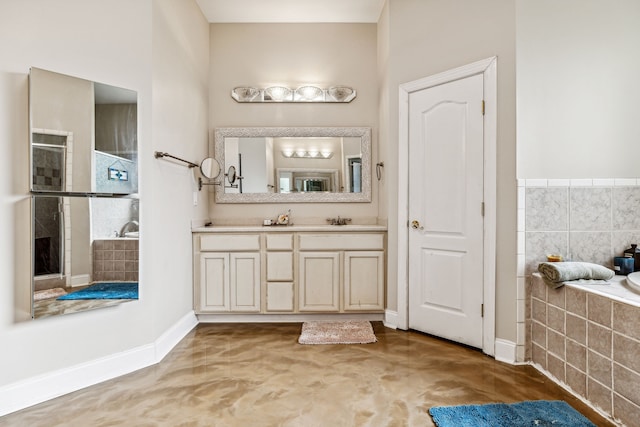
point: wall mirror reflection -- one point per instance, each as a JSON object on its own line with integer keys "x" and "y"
{"x": 85, "y": 253}
{"x": 328, "y": 164}
{"x": 84, "y": 135}
{"x": 84, "y": 184}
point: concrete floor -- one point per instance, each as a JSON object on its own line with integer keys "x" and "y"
{"x": 258, "y": 375}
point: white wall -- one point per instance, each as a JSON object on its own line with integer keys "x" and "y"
{"x": 424, "y": 37}
{"x": 294, "y": 54}
{"x": 160, "y": 49}
{"x": 578, "y": 64}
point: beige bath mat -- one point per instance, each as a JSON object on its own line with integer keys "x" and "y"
{"x": 337, "y": 332}
{"x": 48, "y": 294}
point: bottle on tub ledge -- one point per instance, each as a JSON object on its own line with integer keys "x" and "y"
{"x": 633, "y": 252}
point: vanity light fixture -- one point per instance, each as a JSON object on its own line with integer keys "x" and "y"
{"x": 277, "y": 94}
{"x": 301, "y": 154}
{"x": 309, "y": 94}
{"x": 305, "y": 93}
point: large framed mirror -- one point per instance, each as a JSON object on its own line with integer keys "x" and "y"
{"x": 84, "y": 201}
{"x": 294, "y": 164}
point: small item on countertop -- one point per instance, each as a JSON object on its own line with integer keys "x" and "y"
{"x": 634, "y": 252}
{"x": 623, "y": 265}
{"x": 554, "y": 258}
{"x": 266, "y": 222}
{"x": 283, "y": 219}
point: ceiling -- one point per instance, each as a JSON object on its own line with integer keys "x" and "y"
{"x": 291, "y": 11}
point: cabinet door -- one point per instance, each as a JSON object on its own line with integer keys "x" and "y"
{"x": 319, "y": 281}
{"x": 245, "y": 281}
{"x": 214, "y": 282}
{"x": 364, "y": 280}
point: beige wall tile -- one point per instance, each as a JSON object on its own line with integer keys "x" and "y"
{"x": 626, "y": 319}
{"x": 555, "y": 344}
{"x": 577, "y": 355}
{"x": 627, "y": 383}
{"x": 577, "y": 329}
{"x": 599, "y": 309}
{"x": 539, "y": 310}
{"x": 576, "y": 301}
{"x": 626, "y": 352}
{"x": 539, "y": 334}
{"x": 539, "y": 355}
{"x": 599, "y": 339}
{"x": 625, "y": 411}
{"x": 556, "y": 296}
{"x": 539, "y": 289}
{"x": 599, "y": 368}
{"x": 556, "y": 367}
{"x": 577, "y": 380}
{"x": 555, "y": 318}
{"x": 599, "y": 395}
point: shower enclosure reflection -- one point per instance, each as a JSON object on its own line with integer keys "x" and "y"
{"x": 77, "y": 244}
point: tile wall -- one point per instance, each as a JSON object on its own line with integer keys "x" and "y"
{"x": 591, "y": 344}
{"x": 588, "y": 342}
{"x": 115, "y": 259}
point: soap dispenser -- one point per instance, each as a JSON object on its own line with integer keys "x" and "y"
{"x": 634, "y": 252}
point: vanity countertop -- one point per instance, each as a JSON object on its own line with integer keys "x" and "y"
{"x": 286, "y": 228}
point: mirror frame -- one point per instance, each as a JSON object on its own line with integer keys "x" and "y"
{"x": 297, "y": 132}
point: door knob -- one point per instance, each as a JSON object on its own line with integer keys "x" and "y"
{"x": 415, "y": 224}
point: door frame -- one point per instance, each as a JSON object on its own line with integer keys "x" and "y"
{"x": 488, "y": 68}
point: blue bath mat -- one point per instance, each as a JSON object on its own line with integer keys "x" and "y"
{"x": 554, "y": 413}
{"x": 106, "y": 290}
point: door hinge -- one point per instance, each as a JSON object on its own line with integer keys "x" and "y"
{"x": 481, "y": 310}
{"x": 482, "y": 208}
{"x": 483, "y": 107}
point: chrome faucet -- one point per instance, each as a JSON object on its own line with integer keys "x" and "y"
{"x": 338, "y": 221}
{"x": 127, "y": 227}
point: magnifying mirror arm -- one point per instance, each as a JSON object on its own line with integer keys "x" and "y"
{"x": 201, "y": 183}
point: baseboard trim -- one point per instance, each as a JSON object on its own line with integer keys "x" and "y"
{"x": 172, "y": 336}
{"x": 505, "y": 351}
{"x": 391, "y": 319}
{"x": 32, "y": 391}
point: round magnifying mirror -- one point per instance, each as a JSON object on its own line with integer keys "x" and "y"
{"x": 231, "y": 175}
{"x": 210, "y": 168}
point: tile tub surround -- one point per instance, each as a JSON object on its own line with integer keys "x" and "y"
{"x": 589, "y": 343}
{"x": 589, "y": 220}
{"x": 115, "y": 259}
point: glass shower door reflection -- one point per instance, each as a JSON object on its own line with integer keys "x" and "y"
{"x": 48, "y": 229}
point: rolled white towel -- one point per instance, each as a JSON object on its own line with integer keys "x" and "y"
{"x": 556, "y": 273}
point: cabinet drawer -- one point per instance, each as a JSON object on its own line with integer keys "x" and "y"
{"x": 279, "y": 266}
{"x": 280, "y": 296}
{"x": 230, "y": 242}
{"x": 280, "y": 242}
{"x": 340, "y": 241}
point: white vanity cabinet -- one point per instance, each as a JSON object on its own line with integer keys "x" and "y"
{"x": 341, "y": 272}
{"x": 293, "y": 270}
{"x": 228, "y": 273}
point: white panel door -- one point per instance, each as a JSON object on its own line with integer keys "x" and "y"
{"x": 445, "y": 210}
